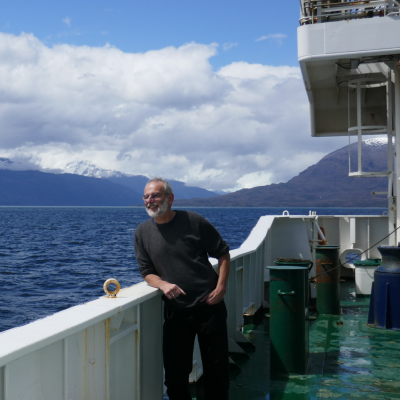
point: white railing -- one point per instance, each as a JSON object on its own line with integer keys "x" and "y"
{"x": 318, "y": 11}
{"x": 91, "y": 351}
{"x": 357, "y": 232}
{"x": 111, "y": 348}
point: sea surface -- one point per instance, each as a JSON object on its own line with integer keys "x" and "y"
{"x": 52, "y": 258}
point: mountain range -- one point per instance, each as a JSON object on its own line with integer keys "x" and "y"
{"x": 35, "y": 188}
{"x": 84, "y": 184}
{"x": 325, "y": 184}
{"x": 135, "y": 182}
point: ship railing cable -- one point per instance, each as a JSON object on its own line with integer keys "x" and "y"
{"x": 311, "y": 279}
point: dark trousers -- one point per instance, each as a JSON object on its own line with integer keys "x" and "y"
{"x": 180, "y": 329}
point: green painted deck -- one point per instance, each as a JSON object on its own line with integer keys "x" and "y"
{"x": 348, "y": 360}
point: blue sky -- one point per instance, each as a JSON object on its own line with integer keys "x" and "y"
{"x": 209, "y": 93}
{"x": 139, "y": 26}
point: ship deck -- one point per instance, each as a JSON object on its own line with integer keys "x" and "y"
{"x": 348, "y": 360}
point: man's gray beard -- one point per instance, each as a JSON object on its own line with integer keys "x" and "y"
{"x": 162, "y": 209}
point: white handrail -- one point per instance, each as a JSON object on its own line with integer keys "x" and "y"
{"x": 43, "y": 332}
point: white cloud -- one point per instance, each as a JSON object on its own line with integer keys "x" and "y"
{"x": 227, "y": 46}
{"x": 276, "y": 37}
{"x": 253, "y": 179}
{"x": 164, "y": 112}
{"x": 21, "y": 161}
{"x": 67, "y": 21}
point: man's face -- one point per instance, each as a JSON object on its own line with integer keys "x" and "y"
{"x": 156, "y": 207}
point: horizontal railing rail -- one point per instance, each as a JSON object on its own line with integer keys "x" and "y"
{"x": 320, "y": 11}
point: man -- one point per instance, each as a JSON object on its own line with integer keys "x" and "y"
{"x": 172, "y": 251}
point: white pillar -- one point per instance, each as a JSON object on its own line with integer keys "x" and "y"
{"x": 397, "y": 139}
{"x": 392, "y": 174}
{"x": 359, "y": 124}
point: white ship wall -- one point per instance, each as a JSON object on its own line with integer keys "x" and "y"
{"x": 350, "y": 38}
{"x": 322, "y": 50}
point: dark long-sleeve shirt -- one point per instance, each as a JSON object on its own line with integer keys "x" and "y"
{"x": 178, "y": 253}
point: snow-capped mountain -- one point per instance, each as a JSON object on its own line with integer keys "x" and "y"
{"x": 376, "y": 142}
{"x": 220, "y": 192}
{"x": 135, "y": 182}
{"x": 325, "y": 184}
{"x": 87, "y": 168}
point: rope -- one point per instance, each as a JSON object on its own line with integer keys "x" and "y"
{"x": 316, "y": 276}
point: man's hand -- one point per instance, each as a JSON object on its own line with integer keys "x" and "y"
{"x": 218, "y": 293}
{"x": 170, "y": 290}
{"x": 215, "y": 296}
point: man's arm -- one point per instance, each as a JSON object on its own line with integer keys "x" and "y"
{"x": 169, "y": 289}
{"x": 224, "y": 264}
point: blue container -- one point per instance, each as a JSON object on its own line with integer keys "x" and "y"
{"x": 384, "y": 309}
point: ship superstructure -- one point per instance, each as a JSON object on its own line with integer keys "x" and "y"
{"x": 349, "y": 54}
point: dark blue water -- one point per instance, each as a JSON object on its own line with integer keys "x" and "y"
{"x": 52, "y": 258}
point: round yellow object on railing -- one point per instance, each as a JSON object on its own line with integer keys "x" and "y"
{"x": 112, "y": 293}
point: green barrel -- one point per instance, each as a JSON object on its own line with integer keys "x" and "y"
{"x": 327, "y": 279}
{"x": 288, "y": 326}
{"x": 299, "y": 263}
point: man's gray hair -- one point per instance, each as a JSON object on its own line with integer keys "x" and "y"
{"x": 167, "y": 186}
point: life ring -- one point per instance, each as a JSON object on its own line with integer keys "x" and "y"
{"x": 344, "y": 254}
{"x": 112, "y": 293}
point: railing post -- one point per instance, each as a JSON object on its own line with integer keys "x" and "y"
{"x": 231, "y": 301}
{"x": 389, "y": 7}
{"x": 246, "y": 281}
{"x": 239, "y": 295}
{"x": 397, "y": 144}
{"x": 262, "y": 272}
{"x": 302, "y": 11}
{"x": 319, "y": 12}
{"x": 151, "y": 360}
{"x": 253, "y": 277}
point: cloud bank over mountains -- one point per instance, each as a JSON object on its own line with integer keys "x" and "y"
{"x": 164, "y": 112}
